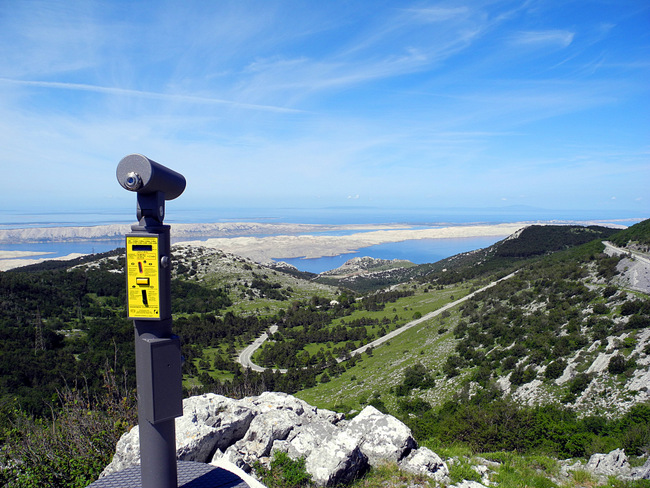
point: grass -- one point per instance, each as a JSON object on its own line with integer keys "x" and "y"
{"x": 390, "y": 476}
{"x": 383, "y": 369}
{"x": 502, "y": 469}
{"x": 209, "y": 353}
{"x": 422, "y": 302}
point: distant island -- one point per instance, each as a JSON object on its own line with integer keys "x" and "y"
{"x": 261, "y": 242}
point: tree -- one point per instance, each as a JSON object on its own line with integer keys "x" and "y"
{"x": 617, "y": 364}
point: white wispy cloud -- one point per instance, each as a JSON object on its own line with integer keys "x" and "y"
{"x": 438, "y": 14}
{"x": 152, "y": 95}
{"x": 560, "y": 38}
{"x": 276, "y": 100}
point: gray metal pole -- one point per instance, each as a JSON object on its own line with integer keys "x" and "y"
{"x": 158, "y": 358}
{"x": 157, "y": 438}
{"x": 157, "y": 350}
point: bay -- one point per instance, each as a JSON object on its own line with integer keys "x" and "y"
{"x": 418, "y": 251}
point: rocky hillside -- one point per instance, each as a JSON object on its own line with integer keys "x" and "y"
{"x": 565, "y": 330}
{"x": 504, "y": 256}
{"x": 251, "y": 432}
{"x": 362, "y": 273}
{"x": 553, "y": 359}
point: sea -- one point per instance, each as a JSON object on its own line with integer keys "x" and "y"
{"x": 417, "y": 251}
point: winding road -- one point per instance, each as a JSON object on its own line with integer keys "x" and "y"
{"x": 637, "y": 270}
{"x": 424, "y": 318}
{"x": 618, "y": 250}
{"x": 244, "y": 357}
{"x": 640, "y": 282}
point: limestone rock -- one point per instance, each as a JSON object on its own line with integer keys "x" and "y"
{"x": 243, "y": 432}
{"x": 424, "y": 461}
{"x": 210, "y": 422}
{"x": 127, "y": 452}
{"x": 268, "y": 401}
{"x": 612, "y": 464}
{"x": 263, "y": 431}
{"x": 381, "y": 437}
{"x": 643, "y": 472}
{"x": 305, "y": 438}
{"x": 337, "y": 460}
{"x": 469, "y": 484}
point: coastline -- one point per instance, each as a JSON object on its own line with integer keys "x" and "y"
{"x": 267, "y": 249}
{"x": 17, "y": 259}
{"x": 261, "y": 242}
{"x": 179, "y": 231}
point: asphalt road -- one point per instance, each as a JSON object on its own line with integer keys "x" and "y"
{"x": 618, "y": 250}
{"x": 635, "y": 270}
{"x": 244, "y": 357}
{"x": 424, "y": 318}
{"x": 642, "y": 259}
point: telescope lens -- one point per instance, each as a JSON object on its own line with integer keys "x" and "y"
{"x": 132, "y": 181}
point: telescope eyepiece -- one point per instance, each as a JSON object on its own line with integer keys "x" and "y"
{"x": 133, "y": 181}
{"x": 139, "y": 173}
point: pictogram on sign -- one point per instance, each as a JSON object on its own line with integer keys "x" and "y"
{"x": 142, "y": 277}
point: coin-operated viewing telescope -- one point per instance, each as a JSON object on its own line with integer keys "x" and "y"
{"x": 158, "y": 356}
{"x": 157, "y": 349}
{"x": 154, "y": 183}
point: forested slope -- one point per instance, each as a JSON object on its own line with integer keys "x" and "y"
{"x": 558, "y": 344}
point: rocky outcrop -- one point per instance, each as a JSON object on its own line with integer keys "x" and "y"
{"x": 222, "y": 431}
{"x": 609, "y": 464}
{"x": 382, "y": 437}
{"x": 615, "y": 464}
{"x": 243, "y": 432}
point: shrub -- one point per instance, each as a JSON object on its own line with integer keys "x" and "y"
{"x": 555, "y": 369}
{"x": 284, "y": 472}
{"x": 580, "y": 383}
{"x": 631, "y": 307}
{"x": 521, "y": 376}
{"x": 638, "y": 321}
{"x": 416, "y": 406}
{"x": 415, "y": 376}
{"x": 72, "y": 449}
{"x": 601, "y": 309}
{"x": 609, "y": 291}
{"x": 617, "y": 364}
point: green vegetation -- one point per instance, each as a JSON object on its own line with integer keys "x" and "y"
{"x": 531, "y": 244}
{"x": 373, "y": 375}
{"x": 638, "y": 234}
{"x": 70, "y": 449}
{"x": 551, "y": 430}
{"x": 451, "y": 378}
{"x": 504, "y": 469}
{"x": 539, "y": 240}
{"x": 59, "y": 326}
{"x": 284, "y": 472}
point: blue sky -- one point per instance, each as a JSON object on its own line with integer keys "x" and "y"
{"x": 337, "y": 103}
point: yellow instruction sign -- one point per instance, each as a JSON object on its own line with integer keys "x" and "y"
{"x": 142, "y": 277}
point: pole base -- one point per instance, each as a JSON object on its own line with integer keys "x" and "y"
{"x": 190, "y": 475}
